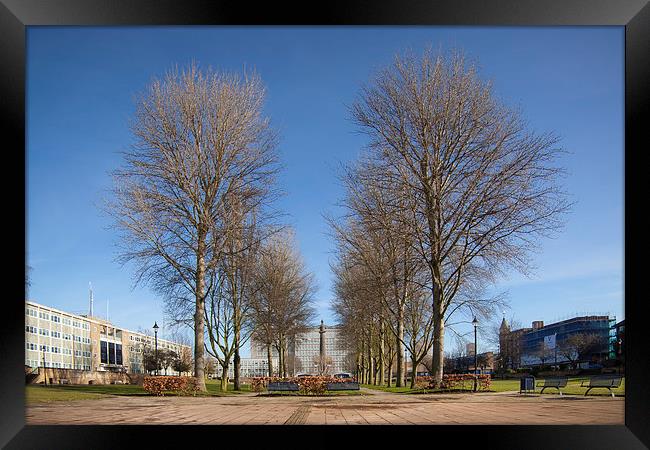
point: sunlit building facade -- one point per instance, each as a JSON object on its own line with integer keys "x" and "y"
{"x": 58, "y": 339}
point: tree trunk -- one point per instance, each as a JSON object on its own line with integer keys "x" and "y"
{"x": 237, "y": 368}
{"x": 199, "y": 320}
{"x": 382, "y": 353}
{"x": 269, "y": 359}
{"x": 414, "y": 365}
{"x": 236, "y": 358}
{"x": 400, "y": 348}
{"x": 371, "y": 366}
{"x": 438, "y": 343}
{"x": 282, "y": 362}
{"x": 362, "y": 367}
{"x": 224, "y": 378}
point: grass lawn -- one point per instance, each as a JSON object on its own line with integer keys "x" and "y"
{"x": 36, "y": 393}
{"x": 572, "y": 388}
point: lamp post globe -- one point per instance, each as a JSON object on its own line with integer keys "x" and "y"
{"x": 475, "y": 323}
{"x": 155, "y": 331}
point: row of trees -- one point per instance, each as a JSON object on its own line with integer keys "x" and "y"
{"x": 451, "y": 191}
{"x": 194, "y": 204}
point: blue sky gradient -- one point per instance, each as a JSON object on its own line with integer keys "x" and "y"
{"x": 80, "y": 89}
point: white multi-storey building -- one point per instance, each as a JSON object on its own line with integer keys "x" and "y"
{"x": 304, "y": 353}
{"x": 55, "y": 338}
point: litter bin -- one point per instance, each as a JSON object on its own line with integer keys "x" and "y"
{"x": 527, "y": 384}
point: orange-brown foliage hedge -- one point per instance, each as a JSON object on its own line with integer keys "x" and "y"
{"x": 463, "y": 381}
{"x": 307, "y": 385}
{"x": 158, "y": 385}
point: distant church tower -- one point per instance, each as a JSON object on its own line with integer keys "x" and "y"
{"x": 504, "y": 334}
{"x": 504, "y": 328}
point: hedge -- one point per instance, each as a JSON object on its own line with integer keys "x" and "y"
{"x": 463, "y": 381}
{"x": 158, "y": 385}
{"x": 306, "y": 385}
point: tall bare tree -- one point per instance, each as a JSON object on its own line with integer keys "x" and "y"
{"x": 481, "y": 188}
{"x": 283, "y": 295}
{"x": 201, "y": 140}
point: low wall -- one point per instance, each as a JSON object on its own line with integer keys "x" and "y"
{"x": 54, "y": 376}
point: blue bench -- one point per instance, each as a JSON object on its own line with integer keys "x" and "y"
{"x": 344, "y": 386}
{"x": 282, "y": 386}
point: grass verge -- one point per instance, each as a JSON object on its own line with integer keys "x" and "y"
{"x": 38, "y": 393}
{"x": 573, "y": 388}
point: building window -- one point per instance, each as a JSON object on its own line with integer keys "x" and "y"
{"x": 111, "y": 353}
{"x": 104, "y": 352}
{"x": 118, "y": 354}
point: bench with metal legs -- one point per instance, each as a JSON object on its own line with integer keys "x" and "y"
{"x": 556, "y": 383}
{"x": 607, "y": 382}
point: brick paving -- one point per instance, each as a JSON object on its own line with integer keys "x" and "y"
{"x": 374, "y": 407}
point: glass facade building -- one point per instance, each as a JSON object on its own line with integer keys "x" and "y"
{"x": 532, "y": 340}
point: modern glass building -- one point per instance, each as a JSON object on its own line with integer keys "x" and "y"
{"x": 554, "y": 335}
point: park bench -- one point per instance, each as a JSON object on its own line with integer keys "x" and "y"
{"x": 344, "y": 386}
{"x": 64, "y": 381}
{"x": 282, "y": 386}
{"x": 607, "y": 382}
{"x": 557, "y": 383}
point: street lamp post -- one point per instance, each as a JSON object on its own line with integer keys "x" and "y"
{"x": 475, "y": 323}
{"x": 155, "y": 331}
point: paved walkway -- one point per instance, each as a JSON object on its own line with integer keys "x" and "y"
{"x": 374, "y": 407}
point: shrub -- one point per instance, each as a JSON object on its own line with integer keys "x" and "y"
{"x": 158, "y": 385}
{"x": 457, "y": 381}
{"x": 306, "y": 385}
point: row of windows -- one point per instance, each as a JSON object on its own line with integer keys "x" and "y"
{"x": 56, "y": 319}
{"x": 56, "y": 365}
{"x": 56, "y": 350}
{"x": 55, "y": 334}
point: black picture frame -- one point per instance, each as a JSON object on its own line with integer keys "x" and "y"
{"x": 16, "y": 15}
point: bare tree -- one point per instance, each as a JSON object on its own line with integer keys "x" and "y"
{"x": 210, "y": 365}
{"x": 480, "y": 187}
{"x": 283, "y": 293}
{"x": 201, "y": 140}
{"x": 370, "y": 236}
{"x": 543, "y": 353}
{"x": 579, "y": 346}
{"x": 183, "y": 361}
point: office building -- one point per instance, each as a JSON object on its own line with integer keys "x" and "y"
{"x": 62, "y": 340}
{"x": 304, "y": 352}
{"x": 540, "y": 344}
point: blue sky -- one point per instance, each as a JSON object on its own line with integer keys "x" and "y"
{"x": 80, "y": 88}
